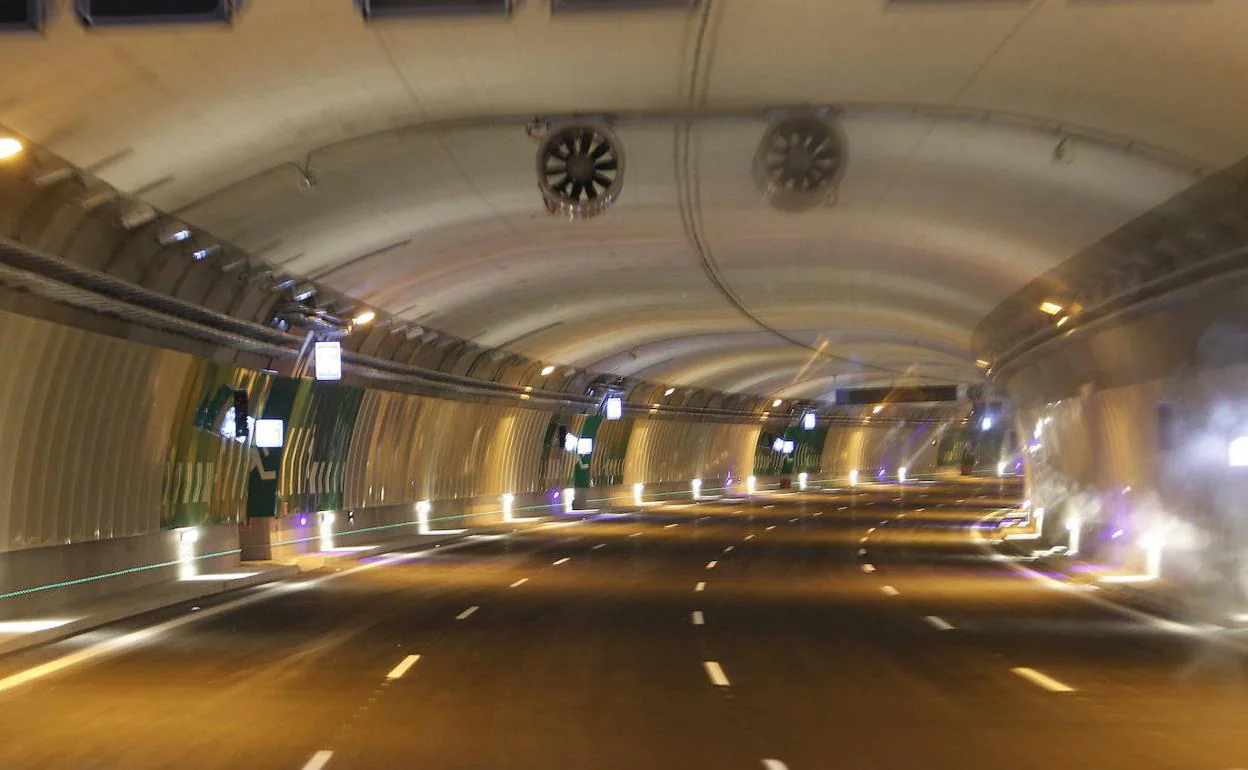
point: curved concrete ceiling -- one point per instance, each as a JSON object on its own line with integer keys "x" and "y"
{"x": 426, "y": 204}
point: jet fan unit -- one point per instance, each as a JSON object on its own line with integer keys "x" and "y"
{"x": 800, "y": 162}
{"x": 580, "y": 170}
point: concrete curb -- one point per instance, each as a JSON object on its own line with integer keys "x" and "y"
{"x": 267, "y": 572}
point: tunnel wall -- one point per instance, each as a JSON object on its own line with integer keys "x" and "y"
{"x": 1128, "y": 426}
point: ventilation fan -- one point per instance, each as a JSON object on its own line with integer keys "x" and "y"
{"x": 800, "y": 162}
{"x": 580, "y": 170}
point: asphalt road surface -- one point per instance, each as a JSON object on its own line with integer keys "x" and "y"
{"x": 864, "y": 630}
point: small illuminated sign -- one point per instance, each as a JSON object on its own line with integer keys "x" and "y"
{"x": 328, "y": 357}
{"x": 789, "y": 446}
{"x": 269, "y": 433}
{"x": 615, "y": 408}
{"x": 808, "y": 421}
{"x": 584, "y": 446}
{"x": 569, "y": 442}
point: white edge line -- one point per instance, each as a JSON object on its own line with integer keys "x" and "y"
{"x": 319, "y": 760}
{"x": 1043, "y": 680}
{"x": 401, "y": 669}
{"x": 715, "y": 673}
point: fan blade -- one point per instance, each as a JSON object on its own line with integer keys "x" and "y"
{"x": 569, "y": 146}
{"x": 608, "y": 165}
{"x": 602, "y": 180}
{"x": 602, "y": 149}
{"x": 587, "y": 138}
{"x": 590, "y": 190}
{"x": 553, "y": 171}
{"x": 562, "y": 185}
{"x": 577, "y": 189}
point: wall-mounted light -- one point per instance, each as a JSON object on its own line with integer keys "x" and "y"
{"x": 777, "y": 403}
{"x": 204, "y": 252}
{"x": 1050, "y": 308}
{"x": 901, "y": 474}
{"x": 669, "y": 391}
{"x": 10, "y": 147}
{"x": 569, "y": 498}
{"x": 509, "y": 500}
{"x": 801, "y": 480}
{"x": 981, "y": 363}
{"x": 853, "y": 478}
{"x": 187, "y": 538}
{"x": 365, "y": 318}
{"x": 173, "y": 232}
{"x": 985, "y": 423}
{"x": 1001, "y": 468}
{"x": 751, "y": 484}
{"x": 877, "y": 409}
{"x": 1237, "y": 453}
{"x": 638, "y": 493}
{"x": 695, "y": 487}
{"x": 1074, "y": 525}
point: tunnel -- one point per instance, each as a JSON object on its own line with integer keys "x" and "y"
{"x": 623, "y": 383}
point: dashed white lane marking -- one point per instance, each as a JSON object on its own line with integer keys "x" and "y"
{"x": 769, "y": 506}
{"x": 862, "y": 551}
{"x": 1042, "y": 680}
{"x": 318, "y": 760}
{"x": 843, "y": 508}
{"x": 467, "y": 613}
{"x": 818, "y": 513}
{"x": 729, "y": 549}
{"x": 635, "y": 534}
{"x": 792, "y": 521}
{"x": 749, "y": 537}
{"x": 889, "y": 591}
{"x": 868, "y": 568}
{"x": 771, "y": 527}
{"x": 711, "y": 564}
{"x": 600, "y": 545}
{"x": 564, "y": 560}
{"x": 938, "y": 623}
{"x": 774, "y": 764}
{"x": 669, "y": 526}
{"x": 401, "y": 669}
{"x": 862, "y": 540}
{"x": 698, "y": 620}
{"x": 716, "y": 673}
{"x": 519, "y": 583}
{"x": 701, "y": 586}
{"x": 869, "y": 531}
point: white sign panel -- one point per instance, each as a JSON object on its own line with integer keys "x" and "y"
{"x": 615, "y": 408}
{"x": 269, "y": 433}
{"x": 328, "y": 360}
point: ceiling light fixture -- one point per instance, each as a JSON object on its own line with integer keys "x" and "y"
{"x": 669, "y": 391}
{"x": 1050, "y": 308}
{"x": 363, "y": 319}
{"x": 878, "y": 408}
{"x": 777, "y": 402}
{"x": 548, "y": 370}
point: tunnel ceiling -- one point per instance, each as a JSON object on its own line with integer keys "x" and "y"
{"x": 426, "y": 203}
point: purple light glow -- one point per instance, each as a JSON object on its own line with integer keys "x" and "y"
{"x": 303, "y": 521}
{"x": 1117, "y": 534}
